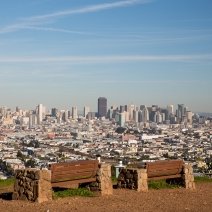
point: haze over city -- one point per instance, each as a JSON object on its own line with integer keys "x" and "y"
{"x": 63, "y": 53}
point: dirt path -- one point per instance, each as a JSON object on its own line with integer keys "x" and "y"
{"x": 162, "y": 200}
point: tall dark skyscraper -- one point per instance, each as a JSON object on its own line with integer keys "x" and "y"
{"x": 180, "y": 112}
{"x": 102, "y": 107}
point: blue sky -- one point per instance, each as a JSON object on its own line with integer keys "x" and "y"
{"x": 69, "y": 52}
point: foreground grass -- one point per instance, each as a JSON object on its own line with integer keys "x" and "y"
{"x": 73, "y": 192}
{"x": 7, "y": 183}
{"x": 161, "y": 184}
{"x": 203, "y": 180}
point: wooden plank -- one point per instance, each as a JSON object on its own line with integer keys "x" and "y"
{"x": 75, "y": 163}
{"x": 73, "y": 168}
{"x": 67, "y": 183}
{"x": 89, "y": 174}
{"x": 162, "y": 173}
{"x": 169, "y": 164}
{"x": 165, "y": 162}
{"x": 76, "y": 170}
{"x": 164, "y": 168}
{"x": 165, "y": 177}
{"x": 178, "y": 169}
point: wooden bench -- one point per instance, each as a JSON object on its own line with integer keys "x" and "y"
{"x": 166, "y": 169}
{"x": 174, "y": 171}
{"x": 68, "y": 174}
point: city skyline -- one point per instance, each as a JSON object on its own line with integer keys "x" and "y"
{"x": 64, "y": 53}
{"x": 84, "y": 109}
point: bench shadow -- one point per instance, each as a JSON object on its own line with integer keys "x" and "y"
{"x": 115, "y": 186}
{"x": 6, "y": 195}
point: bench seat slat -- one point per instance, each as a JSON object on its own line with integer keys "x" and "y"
{"x": 75, "y": 166}
{"x": 162, "y": 173}
{"x": 70, "y": 172}
{"x": 73, "y": 172}
{"x": 67, "y": 183}
{"x": 61, "y": 177}
{"x": 165, "y": 177}
{"x": 164, "y": 169}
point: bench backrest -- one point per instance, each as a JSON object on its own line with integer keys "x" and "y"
{"x": 77, "y": 170}
{"x": 164, "y": 168}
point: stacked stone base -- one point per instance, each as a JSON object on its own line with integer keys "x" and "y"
{"x": 32, "y": 185}
{"x": 135, "y": 179}
{"x": 103, "y": 183}
{"x": 104, "y": 179}
{"x": 187, "y": 177}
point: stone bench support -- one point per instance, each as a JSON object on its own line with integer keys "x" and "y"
{"x": 188, "y": 177}
{"x": 33, "y": 185}
{"x": 104, "y": 179}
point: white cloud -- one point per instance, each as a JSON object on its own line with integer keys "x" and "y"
{"x": 107, "y": 59}
{"x": 30, "y": 22}
{"x": 56, "y": 30}
{"x": 89, "y": 9}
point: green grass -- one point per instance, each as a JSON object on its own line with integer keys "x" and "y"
{"x": 73, "y": 192}
{"x": 114, "y": 179}
{"x": 7, "y": 183}
{"x": 203, "y": 180}
{"x": 161, "y": 184}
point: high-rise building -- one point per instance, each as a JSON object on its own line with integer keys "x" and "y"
{"x": 102, "y": 107}
{"x": 135, "y": 116}
{"x": 86, "y": 111}
{"x": 158, "y": 118}
{"x": 170, "y": 109}
{"x": 142, "y": 107}
{"x": 145, "y": 115}
{"x": 74, "y": 113}
{"x": 140, "y": 116}
{"x": 131, "y": 108}
{"x": 122, "y": 108}
{"x": 121, "y": 121}
{"x": 181, "y": 112}
{"x": 54, "y": 112}
{"x": 65, "y": 115}
{"x": 40, "y": 113}
{"x": 32, "y": 120}
{"x": 189, "y": 116}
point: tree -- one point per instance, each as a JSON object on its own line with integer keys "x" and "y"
{"x": 30, "y": 163}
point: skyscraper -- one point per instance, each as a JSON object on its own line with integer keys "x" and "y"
{"x": 102, "y": 107}
{"x": 180, "y": 112}
{"x": 86, "y": 111}
{"x": 145, "y": 114}
{"x": 74, "y": 113}
{"x": 170, "y": 109}
{"x": 40, "y": 113}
